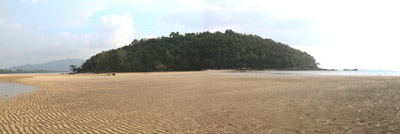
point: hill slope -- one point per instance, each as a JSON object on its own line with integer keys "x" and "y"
{"x": 59, "y": 65}
{"x": 197, "y": 51}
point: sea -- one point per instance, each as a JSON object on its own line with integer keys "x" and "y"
{"x": 8, "y": 90}
{"x": 322, "y": 73}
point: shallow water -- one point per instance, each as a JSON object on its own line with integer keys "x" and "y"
{"x": 8, "y": 90}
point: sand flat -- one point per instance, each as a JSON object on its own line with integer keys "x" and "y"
{"x": 203, "y": 102}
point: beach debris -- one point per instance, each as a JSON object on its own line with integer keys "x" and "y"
{"x": 112, "y": 74}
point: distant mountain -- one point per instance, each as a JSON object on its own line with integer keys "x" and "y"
{"x": 58, "y": 66}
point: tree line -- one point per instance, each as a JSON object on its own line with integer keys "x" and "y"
{"x": 198, "y": 51}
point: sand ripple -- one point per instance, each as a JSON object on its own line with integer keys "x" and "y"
{"x": 203, "y": 102}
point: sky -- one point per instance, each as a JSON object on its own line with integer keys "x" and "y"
{"x": 340, "y": 34}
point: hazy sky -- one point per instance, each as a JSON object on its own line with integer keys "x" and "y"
{"x": 338, "y": 33}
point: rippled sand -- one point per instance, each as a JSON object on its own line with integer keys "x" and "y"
{"x": 202, "y": 102}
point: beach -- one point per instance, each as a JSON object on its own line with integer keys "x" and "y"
{"x": 202, "y": 102}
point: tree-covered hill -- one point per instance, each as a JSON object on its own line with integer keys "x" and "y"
{"x": 197, "y": 51}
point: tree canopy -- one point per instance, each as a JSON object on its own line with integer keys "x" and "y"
{"x": 198, "y": 51}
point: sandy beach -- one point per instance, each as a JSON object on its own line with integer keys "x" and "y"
{"x": 202, "y": 102}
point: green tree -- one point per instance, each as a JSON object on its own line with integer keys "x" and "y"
{"x": 73, "y": 68}
{"x": 196, "y": 51}
{"x": 159, "y": 66}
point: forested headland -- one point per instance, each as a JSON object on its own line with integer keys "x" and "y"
{"x": 199, "y": 51}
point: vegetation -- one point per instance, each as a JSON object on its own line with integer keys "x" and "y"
{"x": 73, "y": 68}
{"x": 197, "y": 51}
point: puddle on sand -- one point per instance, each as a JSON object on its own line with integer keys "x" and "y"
{"x": 8, "y": 90}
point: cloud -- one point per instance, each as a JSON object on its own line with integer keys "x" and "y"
{"x": 151, "y": 37}
{"x": 242, "y": 16}
{"x": 10, "y": 25}
{"x": 27, "y": 46}
{"x": 120, "y": 28}
{"x": 82, "y": 19}
{"x": 338, "y": 33}
{"x": 31, "y": 1}
{"x": 201, "y": 5}
{"x": 25, "y": 41}
{"x": 363, "y": 32}
{"x": 30, "y": 45}
{"x": 40, "y": 27}
{"x": 223, "y": 28}
{"x": 16, "y": 25}
{"x": 198, "y": 17}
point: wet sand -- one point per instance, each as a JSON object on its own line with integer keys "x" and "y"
{"x": 202, "y": 102}
{"x": 14, "y": 89}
